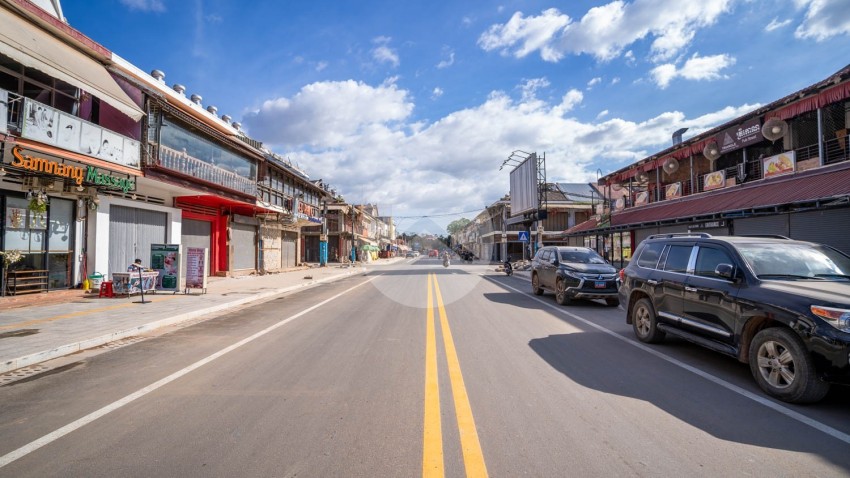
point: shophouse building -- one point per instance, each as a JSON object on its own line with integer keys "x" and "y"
{"x": 71, "y": 134}
{"x": 102, "y": 160}
{"x": 492, "y": 236}
{"x": 780, "y": 169}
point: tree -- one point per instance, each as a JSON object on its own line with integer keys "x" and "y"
{"x": 455, "y": 227}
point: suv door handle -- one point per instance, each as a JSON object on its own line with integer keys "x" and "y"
{"x": 690, "y": 289}
{"x": 652, "y": 282}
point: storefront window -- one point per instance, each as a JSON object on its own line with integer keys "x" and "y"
{"x": 24, "y": 230}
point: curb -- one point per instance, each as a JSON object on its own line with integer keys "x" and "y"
{"x": 75, "y": 347}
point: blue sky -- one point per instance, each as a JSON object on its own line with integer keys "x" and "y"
{"x": 414, "y": 105}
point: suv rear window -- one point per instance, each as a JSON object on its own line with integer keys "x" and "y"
{"x": 650, "y": 254}
{"x": 677, "y": 258}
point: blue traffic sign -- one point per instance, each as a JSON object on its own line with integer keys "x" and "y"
{"x": 523, "y": 236}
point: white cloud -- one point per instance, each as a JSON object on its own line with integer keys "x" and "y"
{"x": 321, "y": 65}
{"x": 144, "y": 5}
{"x": 382, "y": 53}
{"x": 824, "y": 19}
{"x": 328, "y": 114}
{"x": 605, "y": 31}
{"x": 602, "y": 114}
{"x": 448, "y": 61}
{"x": 593, "y": 82}
{"x": 696, "y": 68}
{"x": 360, "y": 139}
{"x": 775, "y": 24}
{"x": 530, "y": 87}
{"x": 438, "y": 92}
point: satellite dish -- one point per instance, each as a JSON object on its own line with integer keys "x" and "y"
{"x": 774, "y": 128}
{"x": 642, "y": 178}
{"x": 670, "y": 165}
{"x": 711, "y": 151}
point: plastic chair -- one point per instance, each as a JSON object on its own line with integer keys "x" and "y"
{"x": 106, "y": 289}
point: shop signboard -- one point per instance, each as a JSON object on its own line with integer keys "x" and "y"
{"x": 779, "y": 164}
{"x": 196, "y": 268}
{"x": 641, "y": 198}
{"x": 715, "y": 180}
{"x": 748, "y": 132}
{"x": 165, "y": 259}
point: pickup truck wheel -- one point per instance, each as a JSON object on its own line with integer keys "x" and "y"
{"x": 535, "y": 285}
{"x": 561, "y": 292}
{"x": 645, "y": 322}
{"x": 783, "y": 368}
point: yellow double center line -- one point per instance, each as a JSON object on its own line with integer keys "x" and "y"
{"x": 432, "y": 456}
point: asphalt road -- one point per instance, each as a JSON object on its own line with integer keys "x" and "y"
{"x": 363, "y": 378}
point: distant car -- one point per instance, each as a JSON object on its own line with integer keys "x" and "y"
{"x": 416, "y": 254}
{"x": 433, "y": 253}
{"x": 782, "y": 306}
{"x": 574, "y": 273}
{"x": 410, "y": 254}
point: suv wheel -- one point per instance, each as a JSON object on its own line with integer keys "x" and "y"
{"x": 782, "y": 367}
{"x": 645, "y": 322}
{"x": 535, "y": 285}
{"x": 561, "y": 292}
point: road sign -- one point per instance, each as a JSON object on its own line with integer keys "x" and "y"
{"x": 523, "y": 236}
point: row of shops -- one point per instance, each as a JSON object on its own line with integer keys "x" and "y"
{"x": 783, "y": 169}
{"x": 103, "y": 163}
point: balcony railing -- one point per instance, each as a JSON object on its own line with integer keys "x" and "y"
{"x": 183, "y": 163}
{"x": 835, "y": 151}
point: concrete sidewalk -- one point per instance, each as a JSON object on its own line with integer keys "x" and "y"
{"x": 48, "y": 329}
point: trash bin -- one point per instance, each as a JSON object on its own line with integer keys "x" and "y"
{"x": 95, "y": 280}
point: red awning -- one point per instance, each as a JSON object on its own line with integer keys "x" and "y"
{"x": 817, "y": 184}
{"x": 223, "y": 204}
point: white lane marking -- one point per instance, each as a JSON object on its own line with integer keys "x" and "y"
{"x": 55, "y": 435}
{"x": 844, "y": 437}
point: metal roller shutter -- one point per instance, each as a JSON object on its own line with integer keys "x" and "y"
{"x": 131, "y": 233}
{"x": 776, "y": 224}
{"x": 244, "y": 246}
{"x": 828, "y": 227}
{"x": 642, "y": 234}
{"x": 289, "y": 249}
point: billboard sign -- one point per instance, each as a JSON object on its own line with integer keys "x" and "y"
{"x": 524, "y": 185}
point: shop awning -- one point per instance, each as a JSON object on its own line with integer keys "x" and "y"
{"x": 35, "y": 48}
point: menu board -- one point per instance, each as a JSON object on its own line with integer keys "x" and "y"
{"x": 196, "y": 268}
{"x": 165, "y": 259}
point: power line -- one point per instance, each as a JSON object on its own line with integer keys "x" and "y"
{"x": 437, "y": 215}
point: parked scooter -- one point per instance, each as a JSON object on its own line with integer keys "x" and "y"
{"x": 509, "y": 269}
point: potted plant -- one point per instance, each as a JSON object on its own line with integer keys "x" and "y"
{"x": 10, "y": 258}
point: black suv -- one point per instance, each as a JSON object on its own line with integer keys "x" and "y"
{"x": 781, "y": 305}
{"x": 574, "y": 273}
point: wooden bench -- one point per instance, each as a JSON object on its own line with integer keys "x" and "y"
{"x": 26, "y": 282}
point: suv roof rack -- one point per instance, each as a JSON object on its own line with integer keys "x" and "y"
{"x": 679, "y": 234}
{"x": 767, "y": 236}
